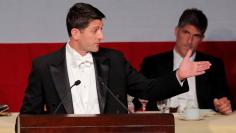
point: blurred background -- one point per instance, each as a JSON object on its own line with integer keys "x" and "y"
{"x": 126, "y": 20}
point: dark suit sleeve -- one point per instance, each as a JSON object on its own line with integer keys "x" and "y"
{"x": 220, "y": 79}
{"x": 33, "y": 102}
{"x": 160, "y": 88}
{"x": 221, "y": 88}
{"x": 212, "y": 84}
{"x": 149, "y": 68}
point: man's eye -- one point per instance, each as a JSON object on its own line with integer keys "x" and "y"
{"x": 198, "y": 36}
{"x": 185, "y": 32}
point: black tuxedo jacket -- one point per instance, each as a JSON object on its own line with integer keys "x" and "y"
{"x": 49, "y": 84}
{"x": 210, "y": 85}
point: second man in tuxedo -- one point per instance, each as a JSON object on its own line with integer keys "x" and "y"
{"x": 207, "y": 91}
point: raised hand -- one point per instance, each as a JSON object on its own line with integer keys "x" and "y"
{"x": 190, "y": 69}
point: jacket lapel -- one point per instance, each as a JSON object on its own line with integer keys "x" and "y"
{"x": 102, "y": 74}
{"x": 170, "y": 61}
{"x": 59, "y": 74}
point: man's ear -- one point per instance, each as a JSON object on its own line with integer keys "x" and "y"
{"x": 176, "y": 30}
{"x": 75, "y": 33}
{"x": 203, "y": 36}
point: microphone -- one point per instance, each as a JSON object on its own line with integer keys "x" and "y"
{"x": 117, "y": 99}
{"x": 77, "y": 82}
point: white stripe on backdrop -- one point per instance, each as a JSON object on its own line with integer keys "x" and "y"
{"x": 127, "y": 20}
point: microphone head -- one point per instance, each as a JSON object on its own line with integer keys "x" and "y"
{"x": 77, "y": 82}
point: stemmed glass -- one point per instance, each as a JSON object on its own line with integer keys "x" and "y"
{"x": 144, "y": 103}
{"x": 164, "y": 106}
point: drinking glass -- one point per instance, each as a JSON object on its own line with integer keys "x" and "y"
{"x": 144, "y": 103}
{"x": 164, "y": 106}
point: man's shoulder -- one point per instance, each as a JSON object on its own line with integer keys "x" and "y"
{"x": 204, "y": 56}
{"x": 50, "y": 57}
{"x": 108, "y": 52}
{"x": 160, "y": 56}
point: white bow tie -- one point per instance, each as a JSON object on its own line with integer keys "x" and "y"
{"x": 84, "y": 62}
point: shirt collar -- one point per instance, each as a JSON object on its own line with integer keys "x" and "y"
{"x": 77, "y": 59}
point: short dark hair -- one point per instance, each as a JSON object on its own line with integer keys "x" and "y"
{"x": 80, "y": 14}
{"x": 194, "y": 17}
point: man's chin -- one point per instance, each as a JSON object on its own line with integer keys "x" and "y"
{"x": 95, "y": 49}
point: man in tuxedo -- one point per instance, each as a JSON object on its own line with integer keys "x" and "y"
{"x": 101, "y": 75}
{"x": 207, "y": 91}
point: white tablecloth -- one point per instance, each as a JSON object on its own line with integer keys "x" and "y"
{"x": 215, "y": 123}
{"x": 7, "y": 123}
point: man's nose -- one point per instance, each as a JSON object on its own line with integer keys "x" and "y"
{"x": 100, "y": 35}
{"x": 190, "y": 39}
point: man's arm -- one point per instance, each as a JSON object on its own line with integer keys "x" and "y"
{"x": 32, "y": 103}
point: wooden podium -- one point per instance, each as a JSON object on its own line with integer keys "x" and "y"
{"x": 162, "y": 123}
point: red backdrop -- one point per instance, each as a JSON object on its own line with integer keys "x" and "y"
{"x": 16, "y": 62}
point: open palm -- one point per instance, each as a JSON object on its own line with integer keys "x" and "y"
{"x": 188, "y": 68}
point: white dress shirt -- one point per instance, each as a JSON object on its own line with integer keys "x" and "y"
{"x": 182, "y": 100}
{"x": 84, "y": 96}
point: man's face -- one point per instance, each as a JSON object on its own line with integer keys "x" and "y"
{"x": 187, "y": 37}
{"x": 88, "y": 39}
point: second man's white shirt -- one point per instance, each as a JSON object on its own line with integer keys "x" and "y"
{"x": 182, "y": 100}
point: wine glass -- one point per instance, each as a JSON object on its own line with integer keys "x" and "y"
{"x": 144, "y": 103}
